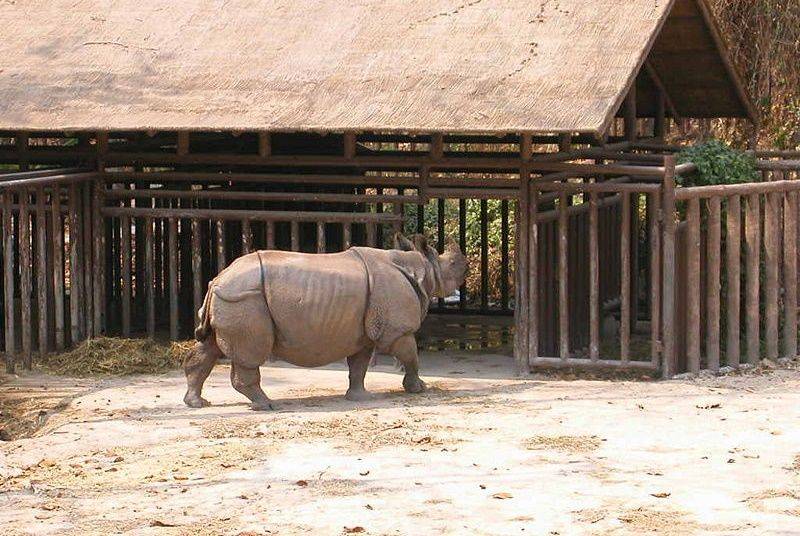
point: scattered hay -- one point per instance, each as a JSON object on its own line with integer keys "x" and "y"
{"x": 642, "y": 520}
{"x": 116, "y": 357}
{"x": 780, "y": 501}
{"x": 568, "y": 444}
{"x": 359, "y": 431}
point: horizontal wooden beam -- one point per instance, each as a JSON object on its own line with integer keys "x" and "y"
{"x": 256, "y": 215}
{"x": 228, "y": 195}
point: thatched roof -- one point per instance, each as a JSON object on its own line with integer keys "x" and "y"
{"x": 323, "y": 65}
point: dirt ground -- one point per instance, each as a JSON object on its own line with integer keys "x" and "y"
{"x": 481, "y": 452}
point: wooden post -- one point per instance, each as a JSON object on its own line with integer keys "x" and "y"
{"x": 660, "y": 121}
{"x": 8, "y": 282}
{"x": 197, "y": 269}
{"x": 183, "y": 143}
{"x": 350, "y": 145}
{"x": 625, "y": 279}
{"x": 347, "y": 235}
{"x": 772, "y": 230}
{"x": 752, "y": 261}
{"x": 270, "y": 235}
{"x": 247, "y": 237}
{"x": 371, "y": 234}
{"x": 714, "y": 234}
{"x": 99, "y": 257}
{"x": 58, "y": 265}
{"x": 75, "y": 266}
{"x": 221, "y": 253}
{"x": 504, "y": 261}
{"x": 173, "y": 280}
{"x": 733, "y": 248}
{"x": 320, "y": 237}
{"x": 125, "y": 246}
{"x": 149, "y": 278}
{"x": 295, "y": 232}
{"x": 594, "y": 280}
{"x": 521, "y": 314}
{"x": 668, "y": 364}
{"x": 484, "y": 245}
{"x": 264, "y": 144}
{"x": 693, "y": 286}
{"x": 655, "y": 276}
{"x": 563, "y": 274}
{"x": 41, "y": 270}
{"x": 88, "y": 261}
{"x": 790, "y": 275}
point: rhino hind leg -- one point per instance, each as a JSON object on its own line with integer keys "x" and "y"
{"x": 358, "y": 365}
{"x": 248, "y": 382}
{"x": 197, "y": 366}
{"x": 405, "y": 350}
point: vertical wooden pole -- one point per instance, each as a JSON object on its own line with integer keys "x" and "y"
{"x": 371, "y": 234}
{"x": 533, "y": 270}
{"x": 197, "y": 269}
{"x": 655, "y": 277}
{"x": 173, "y": 280}
{"x": 350, "y": 145}
{"x": 504, "y": 261}
{"x": 8, "y": 282}
{"x": 75, "y": 268}
{"x": 25, "y": 283}
{"x": 125, "y": 246}
{"x": 270, "y": 235}
{"x": 484, "y": 221}
{"x": 668, "y": 365}
{"x": 563, "y": 274}
{"x": 98, "y": 232}
{"x": 693, "y": 286}
{"x": 295, "y": 232}
{"x": 88, "y": 260}
{"x": 149, "y": 277}
{"x": 752, "y": 262}
{"x": 625, "y": 279}
{"x": 347, "y": 235}
{"x": 247, "y": 237}
{"x": 733, "y": 249}
{"x": 594, "y": 280}
{"x": 790, "y": 275}
{"x": 41, "y": 270}
{"x": 320, "y": 237}
{"x": 521, "y": 315}
{"x": 183, "y": 143}
{"x": 660, "y": 122}
{"x": 58, "y": 266}
{"x": 221, "y": 254}
{"x": 462, "y": 243}
{"x": 772, "y": 231}
{"x": 714, "y": 234}
{"x": 264, "y": 144}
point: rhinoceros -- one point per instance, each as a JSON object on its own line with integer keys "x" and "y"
{"x": 314, "y": 309}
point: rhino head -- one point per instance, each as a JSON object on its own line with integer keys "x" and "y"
{"x": 450, "y": 268}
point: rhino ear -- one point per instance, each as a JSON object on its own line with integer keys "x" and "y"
{"x": 402, "y": 243}
{"x": 421, "y": 243}
{"x": 451, "y": 246}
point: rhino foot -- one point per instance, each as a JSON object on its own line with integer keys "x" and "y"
{"x": 413, "y": 385}
{"x": 358, "y": 395}
{"x": 262, "y": 406}
{"x": 196, "y": 401}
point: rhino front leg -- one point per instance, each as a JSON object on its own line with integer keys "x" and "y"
{"x": 358, "y": 364}
{"x": 248, "y": 382}
{"x": 405, "y": 350}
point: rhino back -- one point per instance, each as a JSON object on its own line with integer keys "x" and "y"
{"x": 317, "y": 303}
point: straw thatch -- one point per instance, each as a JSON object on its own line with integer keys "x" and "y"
{"x": 326, "y": 65}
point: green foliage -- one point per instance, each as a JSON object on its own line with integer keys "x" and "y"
{"x": 717, "y": 163}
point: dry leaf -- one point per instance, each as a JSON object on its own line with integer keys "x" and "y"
{"x": 502, "y": 495}
{"x": 354, "y": 530}
{"x": 302, "y": 483}
{"x": 661, "y": 494}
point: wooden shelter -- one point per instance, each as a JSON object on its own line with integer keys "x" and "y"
{"x": 150, "y": 143}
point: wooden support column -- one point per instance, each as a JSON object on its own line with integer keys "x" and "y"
{"x": 772, "y": 241}
{"x": 790, "y": 275}
{"x": 149, "y": 278}
{"x": 98, "y": 241}
{"x": 173, "y": 279}
{"x": 197, "y": 269}
{"x": 58, "y": 265}
{"x": 41, "y": 271}
{"x": 125, "y": 246}
{"x": 668, "y": 365}
{"x": 183, "y": 143}
{"x": 76, "y": 295}
{"x": 563, "y": 277}
{"x": 594, "y": 280}
{"x": 350, "y": 145}
{"x": 693, "y": 286}
{"x": 264, "y": 144}
{"x": 713, "y": 265}
{"x": 660, "y": 122}
{"x": 521, "y": 314}
{"x": 625, "y": 279}
{"x": 752, "y": 265}
{"x": 655, "y": 276}
{"x": 733, "y": 251}
{"x": 8, "y": 282}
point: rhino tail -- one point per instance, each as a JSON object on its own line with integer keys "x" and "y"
{"x": 203, "y": 329}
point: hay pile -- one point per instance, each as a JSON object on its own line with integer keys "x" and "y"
{"x": 117, "y": 357}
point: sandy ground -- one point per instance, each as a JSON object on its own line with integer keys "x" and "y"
{"x": 481, "y": 452}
